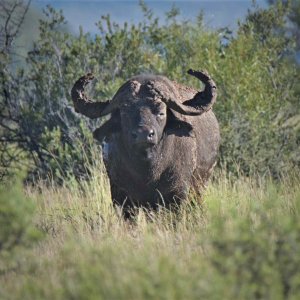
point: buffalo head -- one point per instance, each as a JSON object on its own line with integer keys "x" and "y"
{"x": 144, "y": 109}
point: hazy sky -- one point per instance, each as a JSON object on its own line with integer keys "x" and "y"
{"x": 218, "y": 13}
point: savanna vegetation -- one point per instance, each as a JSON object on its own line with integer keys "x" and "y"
{"x": 60, "y": 237}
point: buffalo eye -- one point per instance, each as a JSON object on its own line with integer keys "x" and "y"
{"x": 161, "y": 114}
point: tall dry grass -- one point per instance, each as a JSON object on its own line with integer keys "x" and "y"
{"x": 241, "y": 242}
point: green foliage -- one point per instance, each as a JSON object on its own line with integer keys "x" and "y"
{"x": 255, "y": 251}
{"x": 258, "y": 102}
{"x": 293, "y": 26}
{"x": 16, "y": 221}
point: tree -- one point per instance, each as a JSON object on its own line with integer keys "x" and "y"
{"x": 11, "y": 18}
{"x": 293, "y": 26}
{"x": 37, "y": 124}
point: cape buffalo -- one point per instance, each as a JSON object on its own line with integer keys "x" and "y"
{"x": 162, "y": 138}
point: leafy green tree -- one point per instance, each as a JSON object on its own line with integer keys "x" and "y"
{"x": 293, "y": 26}
{"x": 37, "y": 123}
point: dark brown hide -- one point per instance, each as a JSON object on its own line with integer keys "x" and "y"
{"x": 161, "y": 140}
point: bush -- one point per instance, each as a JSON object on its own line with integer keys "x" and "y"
{"x": 17, "y": 229}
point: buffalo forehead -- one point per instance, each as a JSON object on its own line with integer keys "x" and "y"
{"x": 153, "y": 83}
{"x": 152, "y": 89}
{"x": 146, "y": 91}
{"x": 148, "y": 87}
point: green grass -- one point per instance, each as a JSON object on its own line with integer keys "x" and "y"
{"x": 242, "y": 242}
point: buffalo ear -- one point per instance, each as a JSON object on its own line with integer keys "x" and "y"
{"x": 108, "y": 128}
{"x": 177, "y": 126}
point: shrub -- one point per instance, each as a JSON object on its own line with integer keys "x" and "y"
{"x": 17, "y": 229}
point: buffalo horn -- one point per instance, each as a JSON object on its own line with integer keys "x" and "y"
{"x": 202, "y": 101}
{"x": 85, "y": 106}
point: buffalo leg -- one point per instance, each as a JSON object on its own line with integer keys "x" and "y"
{"x": 121, "y": 200}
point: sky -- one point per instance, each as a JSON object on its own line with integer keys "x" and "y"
{"x": 217, "y": 13}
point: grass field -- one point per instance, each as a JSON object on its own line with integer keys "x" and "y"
{"x": 242, "y": 242}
